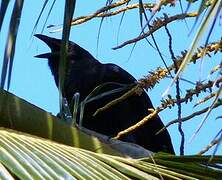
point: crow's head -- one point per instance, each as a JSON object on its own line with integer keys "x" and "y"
{"x": 75, "y": 55}
{"x": 75, "y": 52}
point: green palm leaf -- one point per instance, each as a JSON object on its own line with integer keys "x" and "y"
{"x": 30, "y": 157}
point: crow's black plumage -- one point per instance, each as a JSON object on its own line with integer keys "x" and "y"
{"x": 83, "y": 74}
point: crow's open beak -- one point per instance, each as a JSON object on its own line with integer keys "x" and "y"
{"x": 48, "y": 55}
{"x": 53, "y": 43}
{"x": 45, "y": 55}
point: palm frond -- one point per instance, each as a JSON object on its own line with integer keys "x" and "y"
{"x": 4, "y": 6}
{"x": 29, "y": 157}
{"x": 68, "y": 14}
{"x": 11, "y": 41}
{"x": 213, "y": 11}
{"x": 22, "y": 116}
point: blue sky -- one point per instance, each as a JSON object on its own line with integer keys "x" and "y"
{"x": 32, "y": 79}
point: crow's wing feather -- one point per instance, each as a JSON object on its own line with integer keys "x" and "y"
{"x": 112, "y": 72}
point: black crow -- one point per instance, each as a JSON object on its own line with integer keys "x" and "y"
{"x": 83, "y": 74}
